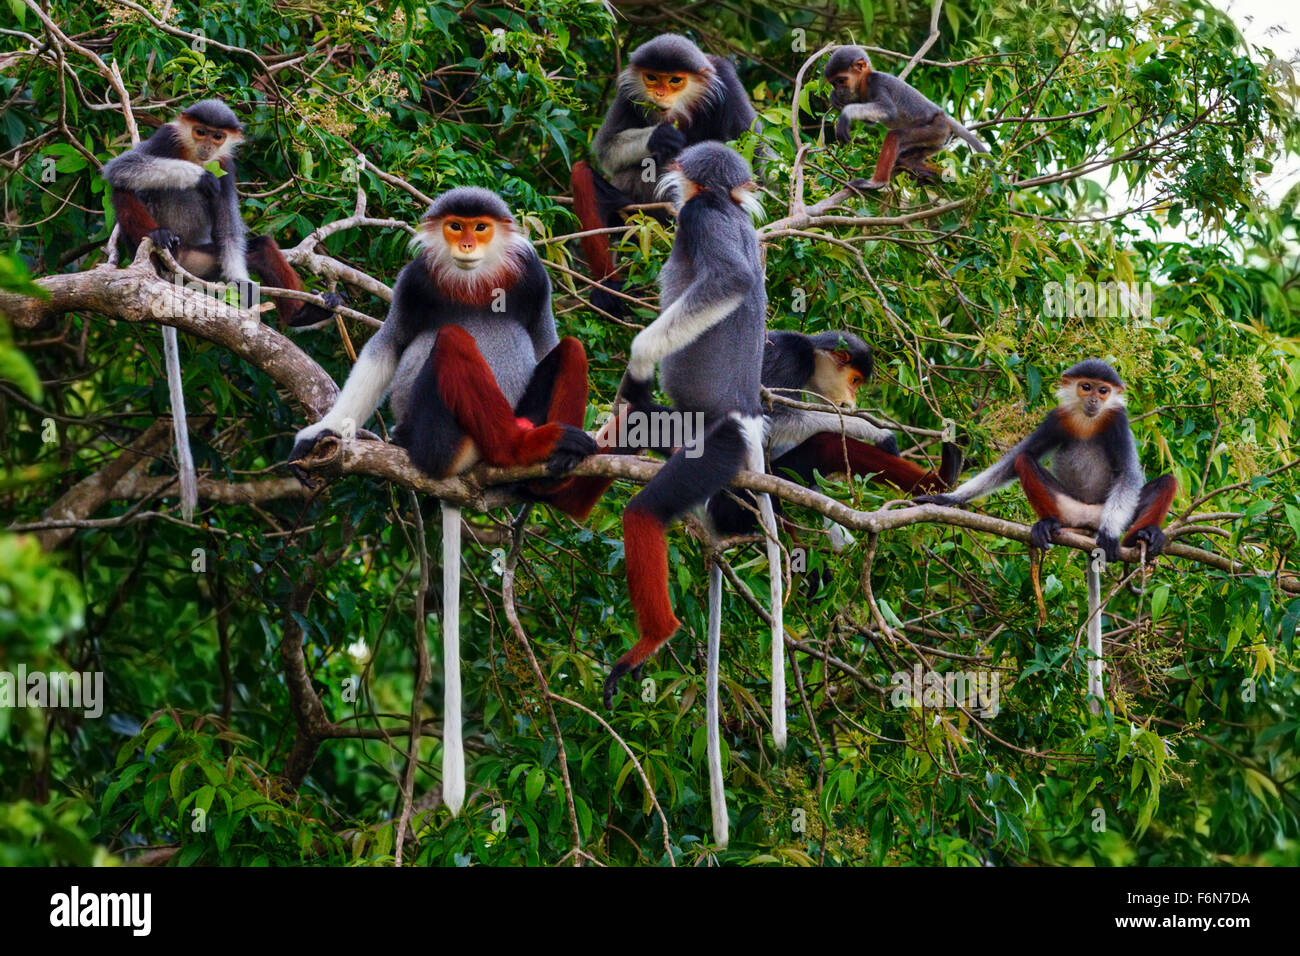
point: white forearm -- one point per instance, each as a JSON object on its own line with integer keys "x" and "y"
{"x": 675, "y": 329}
{"x": 789, "y": 428}
{"x": 627, "y": 148}
{"x": 865, "y": 113}
{"x": 361, "y": 393}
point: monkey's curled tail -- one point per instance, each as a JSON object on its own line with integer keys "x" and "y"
{"x": 972, "y": 140}
{"x": 180, "y": 427}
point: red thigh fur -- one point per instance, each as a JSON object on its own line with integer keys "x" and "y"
{"x": 1041, "y": 498}
{"x": 468, "y": 387}
{"x": 1157, "y": 509}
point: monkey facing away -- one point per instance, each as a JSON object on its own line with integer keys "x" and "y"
{"x": 917, "y": 127}
{"x": 478, "y": 373}
{"x": 161, "y": 189}
{"x": 670, "y": 96}
{"x": 1095, "y": 482}
{"x": 708, "y": 342}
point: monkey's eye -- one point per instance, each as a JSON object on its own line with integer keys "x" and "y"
{"x": 1104, "y": 390}
{"x": 218, "y": 137}
{"x": 1085, "y": 387}
{"x": 676, "y": 80}
{"x": 652, "y": 77}
{"x": 454, "y": 226}
{"x": 200, "y": 132}
{"x": 480, "y": 227}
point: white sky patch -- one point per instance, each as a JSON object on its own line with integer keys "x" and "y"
{"x": 1274, "y": 24}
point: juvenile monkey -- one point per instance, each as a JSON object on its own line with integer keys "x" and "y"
{"x": 1096, "y": 481}
{"x": 917, "y": 127}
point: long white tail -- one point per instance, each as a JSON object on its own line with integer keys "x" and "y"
{"x": 1096, "y": 691}
{"x": 776, "y": 580}
{"x": 717, "y": 795}
{"x": 753, "y": 428}
{"x": 453, "y": 752}
{"x": 180, "y": 428}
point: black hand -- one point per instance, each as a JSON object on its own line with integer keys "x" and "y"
{"x": 165, "y": 239}
{"x": 1155, "y": 540}
{"x": 303, "y": 449}
{"x": 248, "y": 292}
{"x": 208, "y": 185}
{"x": 1042, "y": 531}
{"x": 842, "y": 129}
{"x": 889, "y": 445}
{"x": 1109, "y": 545}
{"x": 666, "y": 142}
{"x": 634, "y": 391}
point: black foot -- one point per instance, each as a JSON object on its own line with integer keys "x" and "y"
{"x": 574, "y": 446}
{"x": 889, "y": 445}
{"x": 616, "y": 672}
{"x": 948, "y": 500}
{"x": 1042, "y": 531}
{"x": 312, "y": 315}
{"x": 867, "y": 185}
{"x": 611, "y": 683}
{"x": 1155, "y": 540}
{"x": 924, "y": 174}
{"x": 165, "y": 239}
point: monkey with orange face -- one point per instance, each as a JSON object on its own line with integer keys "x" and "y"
{"x": 672, "y": 95}
{"x": 1095, "y": 481}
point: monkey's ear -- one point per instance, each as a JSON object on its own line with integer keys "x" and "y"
{"x": 842, "y": 358}
{"x": 860, "y": 65}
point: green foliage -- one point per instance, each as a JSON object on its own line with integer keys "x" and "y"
{"x": 1150, "y": 133}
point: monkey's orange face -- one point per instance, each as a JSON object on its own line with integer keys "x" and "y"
{"x": 664, "y": 89}
{"x": 205, "y": 143}
{"x": 1093, "y": 396}
{"x": 836, "y": 378}
{"x": 468, "y": 239}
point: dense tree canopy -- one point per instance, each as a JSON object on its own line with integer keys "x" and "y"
{"x": 261, "y": 662}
